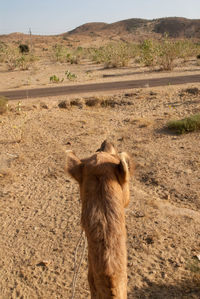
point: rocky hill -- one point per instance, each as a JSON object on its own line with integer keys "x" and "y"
{"x": 174, "y": 26}
{"x": 98, "y": 33}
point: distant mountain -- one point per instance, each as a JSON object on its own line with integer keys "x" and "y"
{"x": 175, "y": 27}
{"x": 100, "y": 33}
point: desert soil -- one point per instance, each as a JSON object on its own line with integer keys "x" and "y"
{"x": 40, "y": 207}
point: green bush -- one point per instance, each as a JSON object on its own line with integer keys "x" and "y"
{"x": 55, "y": 79}
{"x": 165, "y": 52}
{"x": 185, "y": 125}
{"x": 62, "y": 54}
{"x": 113, "y": 54}
{"x": 70, "y": 76}
{"x": 148, "y": 53}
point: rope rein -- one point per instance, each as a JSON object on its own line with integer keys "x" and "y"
{"x": 77, "y": 268}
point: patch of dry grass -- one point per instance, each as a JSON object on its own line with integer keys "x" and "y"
{"x": 3, "y": 105}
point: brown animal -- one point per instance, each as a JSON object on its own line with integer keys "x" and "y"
{"x": 104, "y": 190}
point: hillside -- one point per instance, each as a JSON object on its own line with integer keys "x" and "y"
{"x": 174, "y": 26}
{"x": 98, "y": 33}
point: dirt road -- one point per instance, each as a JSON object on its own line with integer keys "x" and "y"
{"x": 98, "y": 87}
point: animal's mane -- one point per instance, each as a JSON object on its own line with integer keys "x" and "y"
{"x": 104, "y": 223}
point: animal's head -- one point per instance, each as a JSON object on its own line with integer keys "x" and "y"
{"x": 105, "y": 168}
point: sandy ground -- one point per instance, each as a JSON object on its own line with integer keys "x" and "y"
{"x": 40, "y": 208}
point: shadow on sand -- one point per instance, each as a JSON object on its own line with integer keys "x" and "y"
{"x": 166, "y": 131}
{"x": 187, "y": 289}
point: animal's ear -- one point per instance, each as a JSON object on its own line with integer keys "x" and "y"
{"x": 107, "y": 147}
{"x": 73, "y": 166}
{"x": 125, "y": 167}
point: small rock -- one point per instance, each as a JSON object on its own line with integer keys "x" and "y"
{"x": 166, "y": 196}
{"x": 152, "y": 93}
{"x": 43, "y": 264}
{"x": 163, "y": 274}
{"x": 44, "y": 106}
{"x": 149, "y": 240}
{"x": 198, "y": 257}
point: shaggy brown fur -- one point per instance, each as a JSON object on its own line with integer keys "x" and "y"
{"x": 104, "y": 189}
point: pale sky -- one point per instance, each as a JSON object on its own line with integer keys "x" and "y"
{"x": 59, "y": 16}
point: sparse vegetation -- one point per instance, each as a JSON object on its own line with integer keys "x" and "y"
{"x": 114, "y": 54}
{"x": 150, "y": 53}
{"x": 56, "y": 79}
{"x": 3, "y": 48}
{"x": 14, "y": 58}
{"x": 62, "y": 54}
{"x": 59, "y": 53}
{"x": 185, "y": 125}
{"x": 25, "y": 61}
{"x": 165, "y": 53}
{"x": 70, "y": 76}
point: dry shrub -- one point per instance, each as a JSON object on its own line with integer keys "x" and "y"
{"x": 76, "y": 102}
{"x": 64, "y": 104}
{"x": 108, "y": 103}
{"x": 92, "y": 102}
{"x": 3, "y": 105}
{"x": 193, "y": 91}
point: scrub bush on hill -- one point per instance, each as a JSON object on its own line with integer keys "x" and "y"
{"x": 148, "y": 53}
{"x": 164, "y": 53}
{"x": 3, "y": 48}
{"x": 14, "y": 59}
{"x": 62, "y": 54}
{"x": 113, "y": 54}
{"x": 168, "y": 52}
